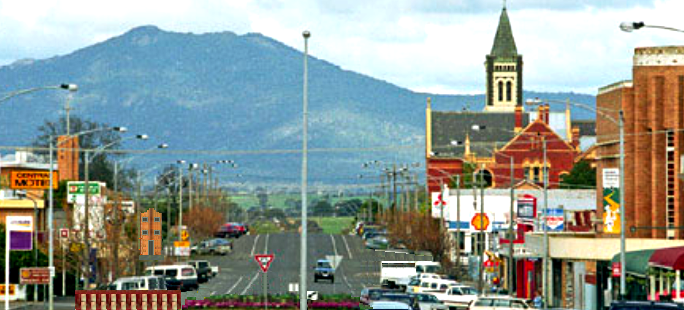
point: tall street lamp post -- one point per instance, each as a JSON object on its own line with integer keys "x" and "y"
{"x": 631, "y": 26}
{"x": 305, "y": 102}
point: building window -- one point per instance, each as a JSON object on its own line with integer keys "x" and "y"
{"x": 144, "y": 232}
{"x": 144, "y": 219}
{"x": 501, "y": 90}
{"x": 156, "y": 219}
{"x": 527, "y": 173}
{"x": 156, "y": 233}
{"x": 537, "y": 174}
{"x": 509, "y": 87}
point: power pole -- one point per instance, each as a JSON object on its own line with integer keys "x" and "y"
{"x": 482, "y": 230}
{"x": 86, "y": 226}
{"x": 458, "y": 224}
{"x": 545, "y": 276}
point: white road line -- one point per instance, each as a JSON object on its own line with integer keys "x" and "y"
{"x": 347, "y": 281}
{"x": 234, "y": 285}
{"x": 250, "y": 283}
{"x": 347, "y": 245}
{"x": 255, "y": 243}
{"x": 266, "y": 247}
{"x": 334, "y": 246}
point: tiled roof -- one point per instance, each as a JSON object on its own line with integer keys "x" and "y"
{"x": 504, "y": 44}
{"x": 454, "y": 126}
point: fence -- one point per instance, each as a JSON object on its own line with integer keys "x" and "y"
{"x": 128, "y": 300}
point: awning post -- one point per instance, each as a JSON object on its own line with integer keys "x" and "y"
{"x": 653, "y": 286}
{"x": 678, "y": 282}
{"x": 660, "y": 275}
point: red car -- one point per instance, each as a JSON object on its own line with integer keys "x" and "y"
{"x": 231, "y": 230}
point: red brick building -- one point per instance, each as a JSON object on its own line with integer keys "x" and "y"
{"x": 653, "y": 105}
{"x": 150, "y": 234}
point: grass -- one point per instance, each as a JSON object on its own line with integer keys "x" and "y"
{"x": 278, "y": 200}
{"x": 333, "y": 225}
{"x": 265, "y": 227}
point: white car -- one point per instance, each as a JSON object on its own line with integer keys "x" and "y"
{"x": 498, "y": 303}
{"x": 456, "y": 295}
{"x": 390, "y": 305}
{"x": 429, "y": 302}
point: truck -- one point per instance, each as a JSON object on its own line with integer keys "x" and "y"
{"x": 398, "y": 274}
{"x": 455, "y": 296}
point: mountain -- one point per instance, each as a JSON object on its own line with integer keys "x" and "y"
{"x": 222, "y": 92}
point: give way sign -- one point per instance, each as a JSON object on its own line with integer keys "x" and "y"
{"x": 264, "y": 261}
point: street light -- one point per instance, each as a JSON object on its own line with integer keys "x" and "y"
{"x": 620, "y": 122}
{"x": 631, "y": 26}
{"x": 305, "y": 102}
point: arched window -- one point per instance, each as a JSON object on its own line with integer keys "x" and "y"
{"x": 509, "y": 86}
{"x": 501, "y": 91}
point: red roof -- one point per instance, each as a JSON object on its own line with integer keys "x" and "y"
{"x": 670, "y": 258}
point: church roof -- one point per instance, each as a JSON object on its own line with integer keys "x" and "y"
{"x": 504, "y": 44}
{"x": 454, "y": 126}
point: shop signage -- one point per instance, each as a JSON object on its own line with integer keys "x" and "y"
{"x": 38, "y": 275}
{"x": 33, "y": 179}
{"x": 617, "y": 269}
{"x": 527, "y": 207}
{"x": 480, "y": 221}
{"x": 555, "y": 219}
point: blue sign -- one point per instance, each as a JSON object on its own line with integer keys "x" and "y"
{"x": 555, "y": 219}
{"x": 21, "y": 241}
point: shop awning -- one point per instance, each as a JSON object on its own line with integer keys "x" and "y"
{"x": 669, "y": 258}
{"x": 636, "y": 261}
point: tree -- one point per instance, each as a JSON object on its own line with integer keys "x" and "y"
{"x": 322, "y": 208}
{"x": 202, "y": 222}
{"x": 101, "y": 167}
{"x": 581, "y": 176}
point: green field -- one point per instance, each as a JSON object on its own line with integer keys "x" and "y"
{"x": 278, "y": 200}
{"x": 333, "y": 225}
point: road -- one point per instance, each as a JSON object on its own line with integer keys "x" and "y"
{"x": 240, "y": 273}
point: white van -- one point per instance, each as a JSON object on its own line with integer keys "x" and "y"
{"x": 434, "y": 285}
{"x": 186, "y": 274}
{"x": 399, "y": 273}
{"x": 138, "y": 283}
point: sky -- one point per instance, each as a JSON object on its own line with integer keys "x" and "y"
{"x": 436, "y": 46}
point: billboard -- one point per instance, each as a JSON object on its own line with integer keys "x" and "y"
{"x": 611, "y": 201}
{"x": 20, "y": 230}
{"x": 33, "y": 179}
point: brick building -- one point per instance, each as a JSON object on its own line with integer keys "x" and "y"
{"x": 150, "y": 235}
{"x": 653, "y": 105}
{"x": 67, "y": 157}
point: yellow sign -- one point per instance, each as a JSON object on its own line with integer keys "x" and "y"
{"x": 76, "y": 247}
{"x": 181, "y": 244}
{"x": 33, "y": 179}
{"x": 185, "y": 235}
{"x": 12, "y": 289}
{"x": 480, "y": 221}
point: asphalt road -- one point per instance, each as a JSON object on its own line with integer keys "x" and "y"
{"x": 240, "y": 273}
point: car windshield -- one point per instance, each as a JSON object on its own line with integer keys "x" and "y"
{"x": 324, "y": 264}
{"x": 468, "y": 291}
{"x": 400, "y": 298}
{"x": 375, "y": 294}
{"x": 187, "y": 272}
{"x": 171, "y": 272}
{"x": 203, "y": 264}
{"x": 221, "y": 242}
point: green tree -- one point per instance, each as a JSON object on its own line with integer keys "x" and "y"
{"x": 466, "y": 177}
{"x": 582, "y": 175}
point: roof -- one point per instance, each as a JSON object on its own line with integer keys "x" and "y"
{"x": 454, "y": 126}
{"x": 586, "y": 127}
{"x": 636, "y": 261}
{"x": 669, "y": 258}
{"x": 504, "y": 44}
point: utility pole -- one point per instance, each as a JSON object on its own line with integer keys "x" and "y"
{"x": 394, "y": 187}
{"x": 303, "y": 244}
{"x": 545, "y": 277}
{"x": 180, "y": 200}
{"x": 67, "y": 109}
{"x": 482, "y": 230}
{"x": 477, "y": 240}
{"x": 117, "y": 203}
{"x": 137, "y": 214}
{"x": 458, "y": 224}
{"x": 623, "y": 246}
{"x": 511, "y": 264}
{"x": 86, "y": 226}
{"x": 190, "y": 179}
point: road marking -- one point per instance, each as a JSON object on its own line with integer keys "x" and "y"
{"x": 334, "y": 246}
{"x": 347, "y": 281}
{"x": 255, "y": 243}
{"x": 234, "y": 285}
{"x": 266, "y": 247}
{"x": 250, "y": 283}
{"x": 347, "y": 245}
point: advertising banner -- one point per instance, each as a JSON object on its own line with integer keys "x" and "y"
{"x": 555, "y": 219}
{"x": 611, "y": 201}
{"x": 33, "y": 179}
{"x": 20, "y": 229}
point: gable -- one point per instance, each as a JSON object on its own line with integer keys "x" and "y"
{"x": 528, "y": 135}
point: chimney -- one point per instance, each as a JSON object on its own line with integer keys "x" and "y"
{"x": 576, "y": 137}
{"x": 518, "y": 118}
{"x": 546, "y": 114}
{"x": 540, "y": 114}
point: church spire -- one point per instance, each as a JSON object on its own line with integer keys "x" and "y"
{"x": 504, "y": 44}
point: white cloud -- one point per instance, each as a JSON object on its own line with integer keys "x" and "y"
{"x": 421, "y": 45}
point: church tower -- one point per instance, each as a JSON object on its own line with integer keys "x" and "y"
{"x": 504, "y": 70}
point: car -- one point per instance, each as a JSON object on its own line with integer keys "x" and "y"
{"x": 230, "y": 230}
{"x": 203, "y": 269}
{"x": 212, "y": 247}
{"x": 390, "y": 305}
{"x": 324, "y": 270}
{"x": 378, "y": 242}
{"x": 186, "y": 274}
{"x": 498, "y": 303}
{"x": 138, "y": 283}
{"x": 371, "y": 294}
{"x": 428, "y": 302}
{"x": 645, "y": 305}
{"x": 400, "y": 297}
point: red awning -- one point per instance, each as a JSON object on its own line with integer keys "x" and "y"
{"x": 669, "y": 258}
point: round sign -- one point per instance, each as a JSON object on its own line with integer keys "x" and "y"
{"x": 480, "y": 221}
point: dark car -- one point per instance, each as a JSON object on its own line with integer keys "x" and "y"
{"x": 172, "y": 284}
{"x": 400, "y": 297}
{"x": 645, "y": 305}
{"x": 371, "y": 294}
{"x": 203, "y": 269}
{"x": 324, "y": 270}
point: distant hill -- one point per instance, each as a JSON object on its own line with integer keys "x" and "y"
{"x": 222, "y": 91}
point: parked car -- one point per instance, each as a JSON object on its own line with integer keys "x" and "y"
{"x": 455, "y": 295}
{"x": 230, "y": 230}
{"x": 203, "y": 269}
{"x": 431, "y": 284}
{"x": 390, "y": 305}
{"x": 324, "y": 270}
{"x": 371, "y": 294}
{"x": 139, "y": 283}
{"x": 500, "y": 303}
{"x": 378, "y": 242}
{"x": 429, "y": 302}
{"x": 186, "y": 274}
{"x": 399, "y": 273}
{"x": 400, "y": 297}
{"x": 212, "y": 247}
{"x": 645, "y": 305}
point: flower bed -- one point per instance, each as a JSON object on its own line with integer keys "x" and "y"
{"x": 289, "y": 301}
